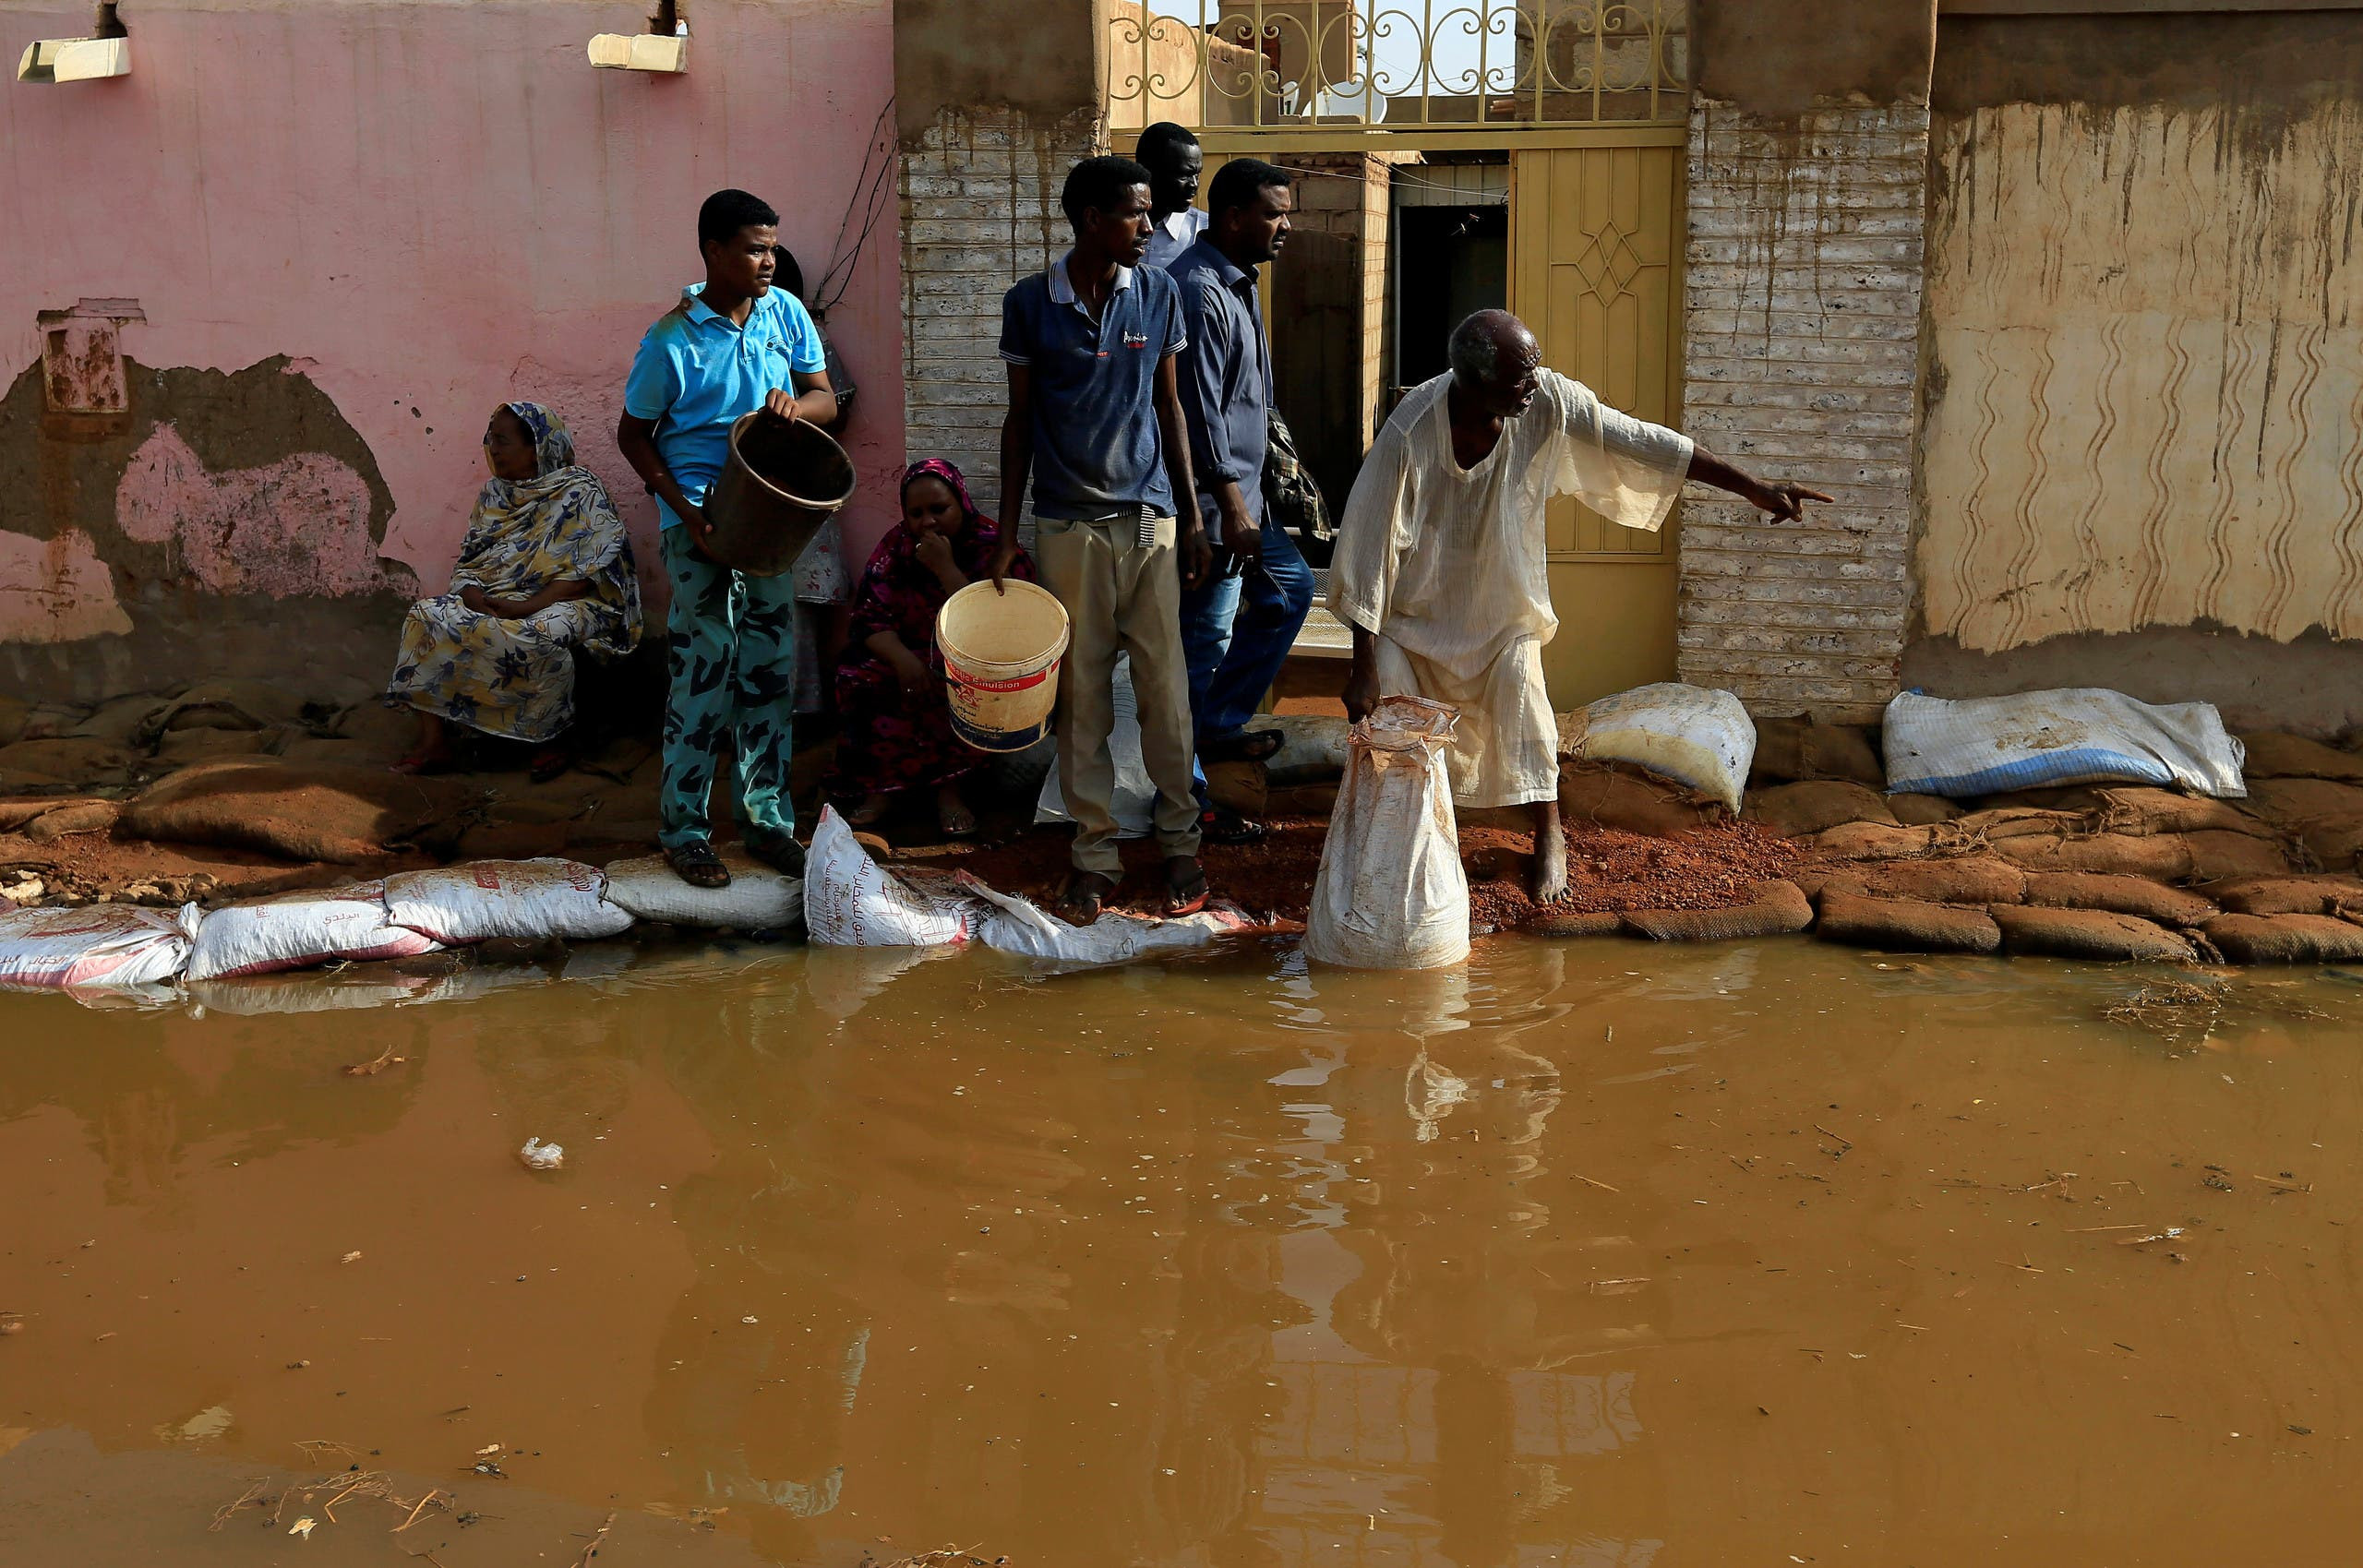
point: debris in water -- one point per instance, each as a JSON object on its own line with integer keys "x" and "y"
{"x": 487, "y": 1450}
{"x": 539, "y": 1156}
{"x": 2167, "y": 1235}
{"x": 304, "y": 1526}
{"x": 383, "y": 1060}
{"x": 592, "y": 1550}
{"x": 350, "y": 1258}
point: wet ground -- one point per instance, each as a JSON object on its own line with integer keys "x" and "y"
{"x": 1591, "y": 1254}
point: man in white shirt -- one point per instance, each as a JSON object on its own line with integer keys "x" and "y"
{"x": 1441, "y": 568}
{"x": 1175, "y": 162}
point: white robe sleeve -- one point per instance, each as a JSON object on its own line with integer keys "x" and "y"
{"x": 1373, "y": 534}
{"x": 1627, "y": 469}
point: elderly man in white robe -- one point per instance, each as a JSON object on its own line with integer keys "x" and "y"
{"x": 1440, "y": 565}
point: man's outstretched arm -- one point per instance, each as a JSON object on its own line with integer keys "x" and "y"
{"x": 1785, "y": 499}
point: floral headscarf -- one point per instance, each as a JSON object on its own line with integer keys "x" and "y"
{"x": 559, "y": 526}
{"x": 952, "y": 479}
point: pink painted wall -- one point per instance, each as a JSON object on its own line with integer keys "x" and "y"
{"x": 430, "y": 208}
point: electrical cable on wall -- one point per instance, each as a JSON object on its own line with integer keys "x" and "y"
{"x": 872, "y": 190}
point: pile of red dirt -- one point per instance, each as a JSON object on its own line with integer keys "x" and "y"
{"x": 1713, "y": 868}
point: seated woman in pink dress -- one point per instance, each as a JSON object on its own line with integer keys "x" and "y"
{"x": 897, "y": 722}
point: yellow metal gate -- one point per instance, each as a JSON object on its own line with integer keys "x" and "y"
{"x": 1595, "y": 270}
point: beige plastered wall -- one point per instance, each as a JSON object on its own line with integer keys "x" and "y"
{"x": 2142, "y": 451}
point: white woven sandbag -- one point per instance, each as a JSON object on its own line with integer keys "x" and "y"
{"x": 758, "y": 899}
{"x": 1131, "y": 798}
{"x": 1693, "y": 735}
{"x": 534, "y": 900}
{"x": 852, "y": 901}
{"x": 1015, "y": 925}
{"x": 101, "y": 944}
{"x": 1391, "y": 892}
{"x": 2037, "y": 739}
{"x": 297, "y": 930}
{"x": 1312, "y": 747}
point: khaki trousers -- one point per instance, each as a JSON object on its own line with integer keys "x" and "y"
{"x": 1121, "y": 595}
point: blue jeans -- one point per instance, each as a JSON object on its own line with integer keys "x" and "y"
{"x": 1237, "y": 628}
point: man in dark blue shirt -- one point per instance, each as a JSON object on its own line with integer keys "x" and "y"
{"x": 1237, "y": 624}
{"x": 1095, "y": 421}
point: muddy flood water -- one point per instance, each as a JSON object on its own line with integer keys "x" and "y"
{"x": 1594, "y": 1254}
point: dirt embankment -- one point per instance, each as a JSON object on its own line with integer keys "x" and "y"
{"x": 222, "y": 793}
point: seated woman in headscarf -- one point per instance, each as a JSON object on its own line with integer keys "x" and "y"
{"x": 897, "y": 722}
{"x": 545, "y": 568}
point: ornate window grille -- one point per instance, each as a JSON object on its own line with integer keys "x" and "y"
{"x": 1396, "y": 66}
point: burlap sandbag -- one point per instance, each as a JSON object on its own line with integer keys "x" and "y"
{"x": 225, "y": 704}
{"x": 1301, "y": 800}
{"x": 1796, "y": 751}
{"x": 1794, "y": 811}
{"x": 2137, "y": 808}
{"x": 1576, "y": 923}
{"x": 1238, "y": 784}
{"x": 1775, "y": 908}
{"x": 2276, "y": 756}
{"x": 1903, "y": 925}
{"x": 1995, "y": 823}
{"x": 2165, "y": 858}
{"x": 1968, "y": 879}
{"x": 1923, "y": 810}
{"x": 74, "y": 760}
{"x": 2118, "y": 895}
{"x": 2325, "y": 817}
{"x": 316, "y": 812}
{"x": 120, "y": 721}
{"x": 2291, "y": 895}
{"x": 1604, "y": 794}
{"x": 2285, "y": 938}
{"x": 1875, "y": 841}
{"x": 2093, "y": 933}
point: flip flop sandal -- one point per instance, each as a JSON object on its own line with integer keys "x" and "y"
{"x": 1220, "y": 824}
{"x": 782, "y": 854}
{"x": 968, "y": 832}
{"x": 1180, "y": 898}
{"x": 1247, "y": 746}
{"x": 698, "y": 865}
{"x": 1083, "y": 890}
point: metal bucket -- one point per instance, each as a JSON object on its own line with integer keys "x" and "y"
{"x": 784, "y": 480}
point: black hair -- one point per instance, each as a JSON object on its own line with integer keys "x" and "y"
{"x": 1162, "y": 137}
{"x": 725, "y": 212}
{"x": 1098, "y": 182}
{"x": 1240, "y": 182}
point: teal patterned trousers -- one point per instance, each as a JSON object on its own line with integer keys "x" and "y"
{"x": 732, "y": 647}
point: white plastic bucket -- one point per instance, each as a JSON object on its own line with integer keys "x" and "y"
{"x": 1000, "y": 658}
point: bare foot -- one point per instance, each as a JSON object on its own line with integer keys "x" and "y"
{"x": 1548, "y": 881}
{"x": 952, "y": 813}
{"x": 870, "y": 810}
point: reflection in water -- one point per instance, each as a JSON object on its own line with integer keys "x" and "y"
{"x": 1588, "y": 1254}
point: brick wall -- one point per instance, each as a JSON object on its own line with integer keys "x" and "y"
{"x": 980, "y": 211}
{"x": 1802, "y": 350}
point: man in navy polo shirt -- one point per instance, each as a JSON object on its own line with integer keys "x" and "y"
{"x": 1095, "y": 421}
{"x": 733, "y": 345}
{"x": 1239, "y": 625}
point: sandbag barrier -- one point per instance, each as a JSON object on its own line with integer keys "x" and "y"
{"x": 2269, "y": 870}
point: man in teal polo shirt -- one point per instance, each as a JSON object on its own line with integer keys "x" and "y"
{"x": 734, "y": 344}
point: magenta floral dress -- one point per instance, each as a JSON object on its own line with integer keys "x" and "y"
{"x": 886, "y": 746}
